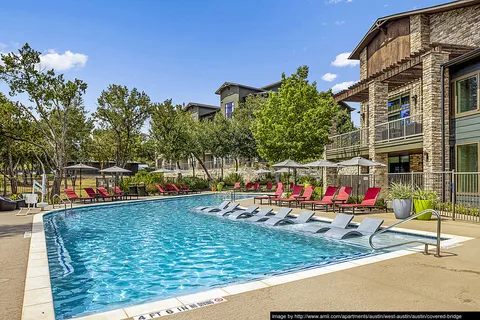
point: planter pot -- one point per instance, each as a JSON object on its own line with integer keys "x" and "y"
{"x": 219, "y": 187}
{"x": 213, "y": 189}
{"x": 401, "y": 208}
{"x": 421, "y": 205}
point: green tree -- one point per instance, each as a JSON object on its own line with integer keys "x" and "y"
{"x": 343, "y": 122}
{"x": 175, "y": 134}
{"x": 295, "y": 122}
{"x": 102, "y": 147}
{"x": 53, "y": 99}
{"x": 124, "y": 112}
{"x": 220, "y": 137}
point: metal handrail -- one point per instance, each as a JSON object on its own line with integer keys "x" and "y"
{"x": 437, "y": 254}
{"x": 61, "y": 201}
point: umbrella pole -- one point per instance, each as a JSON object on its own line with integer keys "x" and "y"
{"x": 358, "y": 179}
{"x": 80, "y": 183}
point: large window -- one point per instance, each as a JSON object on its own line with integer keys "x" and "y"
{"x": 467, "y": 161}
{"x": 229, "y": 110}
{"x": 467, "y": 94}
{"x": 467, "y": 158}
{"x": 399, "y": 107}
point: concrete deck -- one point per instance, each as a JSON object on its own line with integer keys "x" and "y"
{"x": 409, "y": 283}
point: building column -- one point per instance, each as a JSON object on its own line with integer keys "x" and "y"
{"x": 378, "y": 113}
{"x": 432, "y": 114}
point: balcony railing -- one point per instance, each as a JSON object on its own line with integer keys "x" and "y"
{"x": 399, "y": 129}
{"x": 349, "y": 140}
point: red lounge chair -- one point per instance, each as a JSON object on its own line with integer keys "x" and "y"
{"x": 326, "y": 200}
{"x": 72, "y": 196}
{"x": 256, "y": 186}
{"x": 277, "y": 195}
{"x": 163, "y": 191}
{"x": 297, "y": 190}
{"x": 92, "y": 193}
{"x": 186, "y": 189}
{"x": 248, "y": 187}
{"x": 177, "y": 190}
{"x": 236, "y": 186}
{"x": 104, "y": 194}
{"x": 368, "y": 201}
{"x": 307, "y": 194}
{"x": 291, "y": 186}
{"x": 269, "y": 186}
{"x": 170, "y": 188}
{"x": 117, "y": 192}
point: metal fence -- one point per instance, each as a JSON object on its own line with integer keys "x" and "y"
{"x": 458, "y": 192}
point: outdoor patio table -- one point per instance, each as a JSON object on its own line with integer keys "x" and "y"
{"x": 270, "y": 196}
{"x": 298, "y": 199}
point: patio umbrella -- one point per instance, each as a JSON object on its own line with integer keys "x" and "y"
{"x": 290, "y": 164}
{"x": 80, "y": 167}
{"x": 321, "y": 163}
{"x": 114, "y": 170}
{"x": 360, "y": 162}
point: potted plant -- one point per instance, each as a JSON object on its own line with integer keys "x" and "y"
{"x": 401, "y": 197}
{"x": 422, "y": 200}
{"x": 220, "y": 186}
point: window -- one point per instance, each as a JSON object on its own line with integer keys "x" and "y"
{"x": 467, "y": 94}
{"x": 229, "y": 110}
{"x": 399, "y": 107}
{"x": 467, "y": 161}
{"x": 467, "y": 158}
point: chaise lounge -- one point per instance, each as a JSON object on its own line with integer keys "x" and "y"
{"x": 341, "y": 221}
{"x": 245, "y": 214}
{"x": 368, "y": 201}
{"x": 366, "y": 228}
{"x": 303, "y": 217}
{"x": 220, "y": 207}
{"x": 282, "y": 213}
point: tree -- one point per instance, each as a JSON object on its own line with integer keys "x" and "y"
{"x": 295, "y": 122}
{"x": 102, "y": 147}
{"x": 175, "y": 134}
{"x": 54, "y": 99}
{"x": 124, "y": 112}
{"x": 243, "y": 144}
{"x": 343, "y": 122}
{"x": 220, "y": 137}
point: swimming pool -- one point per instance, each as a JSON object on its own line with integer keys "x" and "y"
{"x": 106, "y": 257}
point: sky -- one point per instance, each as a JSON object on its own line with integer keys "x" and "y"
{"x": 186, "y": 49}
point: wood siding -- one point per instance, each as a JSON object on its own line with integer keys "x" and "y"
{"x": 465, "y": 129}
{"x": 389, "y": 46}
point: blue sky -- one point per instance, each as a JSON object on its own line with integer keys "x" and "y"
{"x": 185, "y": 49}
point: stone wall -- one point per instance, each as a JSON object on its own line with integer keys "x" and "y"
{"x": 416, "y": 162}
{"x": 432, "y": 117}
{"x": 419, "y": 32}
{"x": 460, "y": 26}
{"x": 363, "y": 64}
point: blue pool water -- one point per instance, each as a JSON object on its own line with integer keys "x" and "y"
{"x": 106, "y": 257}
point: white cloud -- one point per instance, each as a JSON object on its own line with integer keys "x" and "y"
{"x": 336, "y": 1}
{"x": 329, "y": 77}
{"x": 342, "y": 60}
{"x": 63, "y": 61}
{"x": 339, "y": 23}
{"x": 342, "y": 86}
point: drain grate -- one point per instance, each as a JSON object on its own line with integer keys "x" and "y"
{"x": 27, "y": 234}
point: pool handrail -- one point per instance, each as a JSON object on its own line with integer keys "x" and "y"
{"x": 437, "y": 244}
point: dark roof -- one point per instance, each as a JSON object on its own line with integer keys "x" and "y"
{"x": 346, "y": 106}
{"x": 202, "y": 105}
{"x": 375, "y": 29}
{"x": 228, "y": 84}
{"x": 272, "y": 85}
{"x": 463, "y": 58}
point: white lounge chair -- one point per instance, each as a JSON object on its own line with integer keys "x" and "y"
{"x": 282, "y": 213}
{"x": 249, "y": 211}
{"x": 228, "y": 210}
{"x": 303, "y": 217}
{"x": 367, "y": 227}
{"x": 244, "y": 214}
{"x": 341, "y": 221}
{"x": 221, "y": 206}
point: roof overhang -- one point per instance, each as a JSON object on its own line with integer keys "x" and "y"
{"x": 401, "y": 73}
{"x": 232, "y": 84}
{"x": 375, "y": 29}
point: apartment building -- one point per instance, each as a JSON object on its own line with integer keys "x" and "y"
{"x": 418, "y": 92}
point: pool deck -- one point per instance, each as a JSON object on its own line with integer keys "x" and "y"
{"x": 409, "y": 283}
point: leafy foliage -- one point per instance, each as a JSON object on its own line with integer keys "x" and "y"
{"x": 295, "y": 122}
{"x": 343, "y": 122}
{"x": 400, "y": 191}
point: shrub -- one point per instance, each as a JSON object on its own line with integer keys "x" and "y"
{"x": 232, "y": 178}
{"x": 400, "y": 191}
{"x": 355, "y": 199}
{"x": 309, "y": 180}
{"x": 149, "y": 179}
{"x": 194, "y": 182}
{"x": 317, "y": 193}
{"x": 421, "y": 194}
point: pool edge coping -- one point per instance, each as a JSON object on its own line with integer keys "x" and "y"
{"x": 38, "y": 298}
